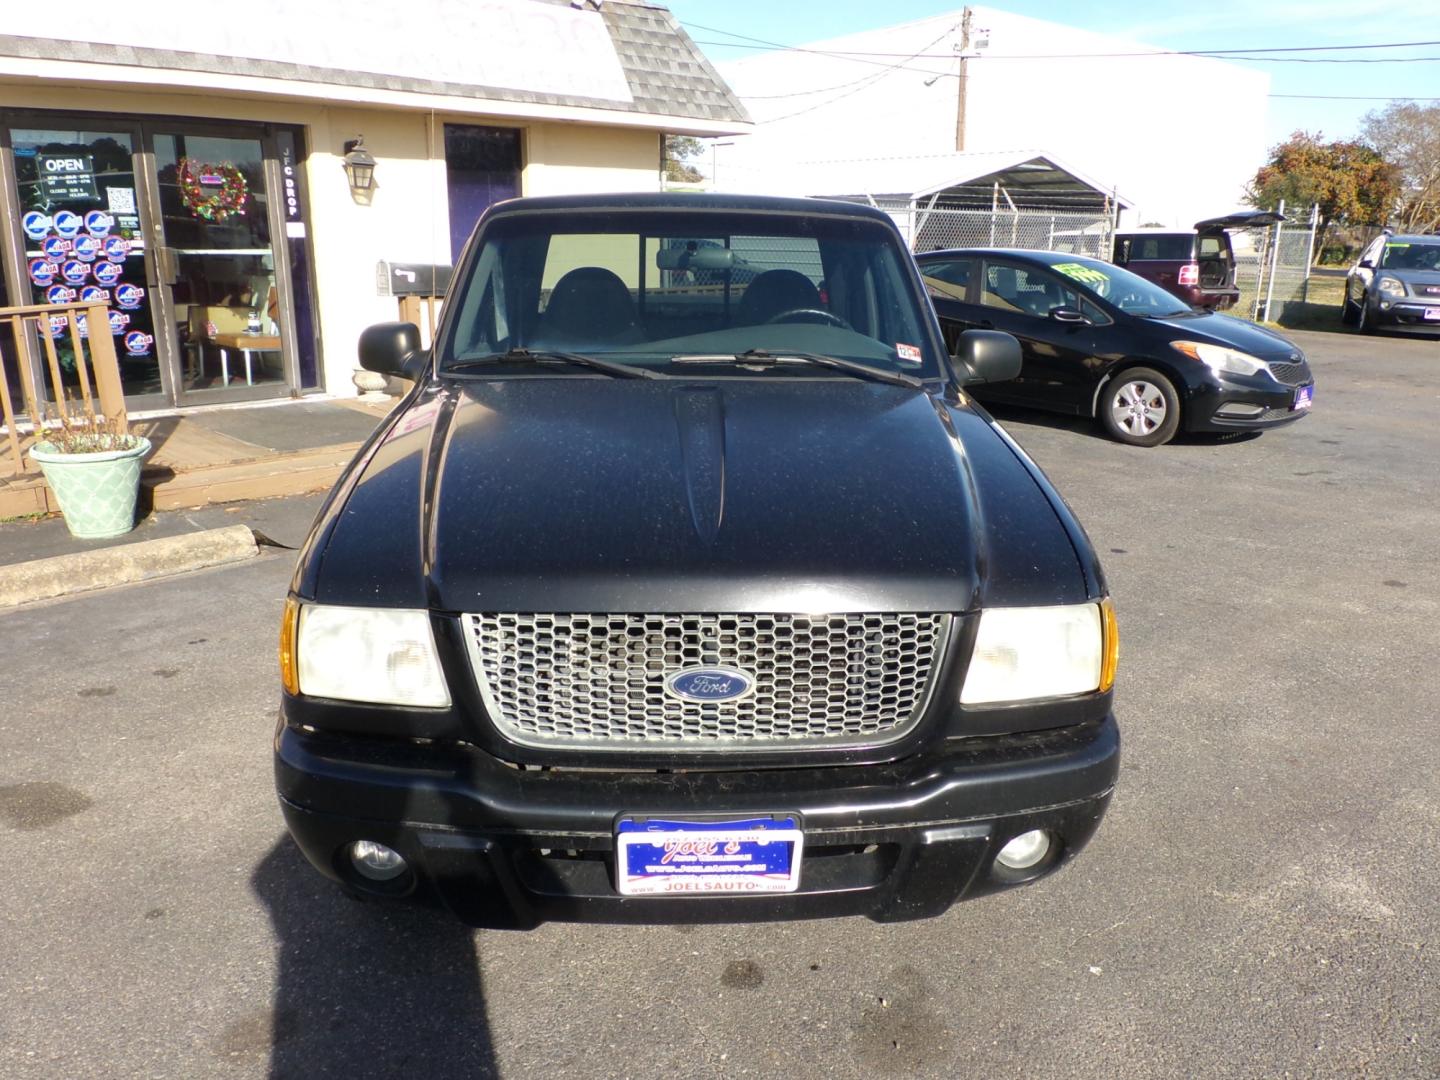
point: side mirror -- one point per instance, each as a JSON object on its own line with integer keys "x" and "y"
{"x": 1368, "y": 264}
{"x": 1068, "y": 315}
{"x": 392, "y": 348}
{"x": 986, "y": 356}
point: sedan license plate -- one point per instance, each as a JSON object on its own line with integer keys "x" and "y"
{"x": 708, "y": 858}
{"x": 1432, "y": 314}
{"x": 1304, "y": 398}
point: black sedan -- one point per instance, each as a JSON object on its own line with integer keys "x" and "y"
{"x": 1100, "y": 341}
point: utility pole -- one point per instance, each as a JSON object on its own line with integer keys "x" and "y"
{"x": 964, "y": 73}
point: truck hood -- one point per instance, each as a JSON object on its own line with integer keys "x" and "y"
{"x": 731, "y": 494}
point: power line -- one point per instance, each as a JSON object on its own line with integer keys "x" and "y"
{"x": 865, "y": 83}
{"x": 1329, "y": 59}
{"x": 1349, "y": 97}
{"x": 850, "y": 54}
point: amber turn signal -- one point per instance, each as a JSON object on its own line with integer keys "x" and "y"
{"x": 289, "y": 663}
{"x": 1110, "y": 658}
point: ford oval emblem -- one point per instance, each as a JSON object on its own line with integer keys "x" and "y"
{"x": 709, "y": 684}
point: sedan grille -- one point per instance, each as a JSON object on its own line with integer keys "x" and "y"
{"x": 599, "y": 681}
{"x": 1290, "y": 374}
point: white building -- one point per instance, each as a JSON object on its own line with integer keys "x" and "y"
{"x": 1178, "y": 136}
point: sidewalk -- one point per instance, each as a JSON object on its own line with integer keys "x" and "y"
{"x": 227, "y": 455}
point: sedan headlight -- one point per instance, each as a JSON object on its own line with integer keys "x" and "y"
{"x": 1391, "y": 286}
{"x": 1220, "y": 359}
{"x": 1042, "y": 652}
{"x": 383, "y": 656}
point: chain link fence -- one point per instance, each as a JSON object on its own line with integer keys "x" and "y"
{"x": 1272, "y": 266}
{"x": 1039, "y": 230}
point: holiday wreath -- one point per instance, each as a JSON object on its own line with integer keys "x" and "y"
{"x": 207, "y": 199}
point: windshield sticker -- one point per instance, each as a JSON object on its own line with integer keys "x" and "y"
{"x": 1396, "y": 247}
{"x": 1086, "y": 275}
{"x": 908, "y": 353}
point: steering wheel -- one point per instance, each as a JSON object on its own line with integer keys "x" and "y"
{"x": 810, "y": 314}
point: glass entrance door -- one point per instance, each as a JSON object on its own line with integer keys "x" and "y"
{"x": 216, "y": 265}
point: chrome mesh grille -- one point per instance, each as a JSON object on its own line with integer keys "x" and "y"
{"x": 598, "y": 681}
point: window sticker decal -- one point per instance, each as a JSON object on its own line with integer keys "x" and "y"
{"x": 1086, "y": 275}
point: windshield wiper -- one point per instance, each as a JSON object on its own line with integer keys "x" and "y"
{"x": 759, "y": 359}
{"x": 549, "y": 356}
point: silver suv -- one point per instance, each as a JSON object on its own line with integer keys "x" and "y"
{"x": 1395, "y": 285}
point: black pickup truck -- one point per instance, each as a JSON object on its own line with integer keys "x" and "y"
{"x": 688, "y": 584}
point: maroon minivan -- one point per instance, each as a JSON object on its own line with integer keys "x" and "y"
{"x": 1196, "y": 265}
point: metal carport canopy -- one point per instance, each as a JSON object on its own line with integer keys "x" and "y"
{"x": 1019, "y": 180}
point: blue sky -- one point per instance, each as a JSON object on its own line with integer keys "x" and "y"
{"x": 1215, "y": 24}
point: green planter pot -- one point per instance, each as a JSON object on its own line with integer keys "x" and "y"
{"x": 96, "y": 492}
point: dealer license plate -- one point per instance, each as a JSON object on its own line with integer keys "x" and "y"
{"x": 708, "y": 858}
{"x": 1432, "y": 314}
{"x": 1304, "y": 398}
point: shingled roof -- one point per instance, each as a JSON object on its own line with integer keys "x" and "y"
{"x": 666, "y": 73}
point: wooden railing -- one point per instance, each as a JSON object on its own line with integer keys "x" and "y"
{"x": 96, "y": 378}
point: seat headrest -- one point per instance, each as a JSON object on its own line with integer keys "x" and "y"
{"x": 773, "y": 293}
{"x": 589, "y": 303}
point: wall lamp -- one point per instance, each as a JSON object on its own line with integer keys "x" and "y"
{"x": 359, "y": 166}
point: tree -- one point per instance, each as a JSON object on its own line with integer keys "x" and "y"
{"x": 679, "y": 149}
{"x": 1409, "y": 135}
{"x": 1350, "y": 181}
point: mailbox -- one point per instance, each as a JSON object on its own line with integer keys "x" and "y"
{"x": 411, "y": 279}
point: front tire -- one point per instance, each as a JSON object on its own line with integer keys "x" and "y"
{"x": 1349, "y": 313}
{"x": 1141, "y": 408}
{"x": 1364, "y": 322}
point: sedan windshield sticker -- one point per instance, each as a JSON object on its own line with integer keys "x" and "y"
{"x": 1086, "y": 275}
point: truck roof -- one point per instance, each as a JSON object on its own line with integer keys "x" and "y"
{"x": 689, "y": 201}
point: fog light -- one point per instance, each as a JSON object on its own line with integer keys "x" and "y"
{"x": 1025, "y": 851}
{"x": 380, "y": 863}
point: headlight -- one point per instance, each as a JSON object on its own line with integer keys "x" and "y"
{"x": 385, "y": 656}
{"x": 1042, "y": 652}
{"x": 1391, "y": 286}
{"x": 1220, "y": 359}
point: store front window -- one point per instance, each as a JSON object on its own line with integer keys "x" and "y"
{"x": 175, "y": 227}
{"x": 83, "y": 240}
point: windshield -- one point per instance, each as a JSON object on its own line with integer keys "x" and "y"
{"x": 1129, "y": 292}
{"x": 644, "y": 287}
{"x": 1410, "y": 256}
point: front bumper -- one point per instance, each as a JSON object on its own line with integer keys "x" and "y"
{"x": 1408, "y": 315}
{"x": 1244, "y": 406}
{"x": 505, "y": 847}
{"x": 1210, "y": 299}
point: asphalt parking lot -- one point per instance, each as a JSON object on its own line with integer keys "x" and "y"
{"x": 1260, "y": 901}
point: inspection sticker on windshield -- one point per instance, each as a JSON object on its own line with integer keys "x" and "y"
{"x": 708, "y": 858}
{"x": 1086, "y": 274}
{"x": 909, "y": 353}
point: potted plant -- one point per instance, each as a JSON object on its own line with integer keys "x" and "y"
{"x": 93, "y": 466}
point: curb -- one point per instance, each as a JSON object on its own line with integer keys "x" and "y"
{"x": 64, "y": 575}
